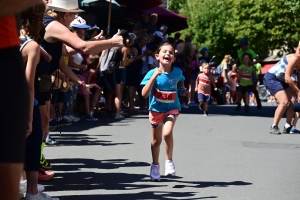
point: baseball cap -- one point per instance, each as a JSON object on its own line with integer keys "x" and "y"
{"x": 79, "y": 22}
{"x": 243, "y": 42}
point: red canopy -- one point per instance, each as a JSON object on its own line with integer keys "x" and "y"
{"x": 266, "y": 68}
{"x": 174, "y": 21}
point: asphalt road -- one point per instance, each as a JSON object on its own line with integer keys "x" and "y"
{"x": 228, "y": 155}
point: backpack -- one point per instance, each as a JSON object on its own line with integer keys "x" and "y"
{"x": 111, "y": 60}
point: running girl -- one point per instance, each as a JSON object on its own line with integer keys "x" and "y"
{"x": 160, "y": 84}
{"x": 203, "y": 87}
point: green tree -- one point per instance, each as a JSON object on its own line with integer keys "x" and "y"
{"x": 218, "y": 24}
{"x": 176, "y": 5}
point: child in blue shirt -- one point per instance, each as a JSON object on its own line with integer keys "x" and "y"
{"x": 160, "y": 84}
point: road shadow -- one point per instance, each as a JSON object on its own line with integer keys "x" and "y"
{"x": 76, "y": 175}
{"x": 265, "y": 111}
{"x": 83, "y": 140}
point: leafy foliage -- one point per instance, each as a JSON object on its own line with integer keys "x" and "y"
{"x": 218, "y": 24}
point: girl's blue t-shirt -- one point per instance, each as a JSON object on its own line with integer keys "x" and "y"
{"x": 164, "y": 82}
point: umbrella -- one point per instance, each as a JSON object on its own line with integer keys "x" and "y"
{"x": 174, "y": 21}
{"x": 95, "y": 5}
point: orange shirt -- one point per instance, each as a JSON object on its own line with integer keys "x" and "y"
{"x": 204, "y": 83}
{"x": 9, "y": 36}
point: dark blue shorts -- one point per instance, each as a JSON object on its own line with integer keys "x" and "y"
{"x": 245, "y": 89}
{"x": 274, "y": 85}
{"x": 33, "y": 143}
{"x": 58, "y": 96}
{"x": 203, "y": 97}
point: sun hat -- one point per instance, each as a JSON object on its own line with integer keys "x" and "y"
{"x": 70, "y": 6}
{"x": 79, "y": 22}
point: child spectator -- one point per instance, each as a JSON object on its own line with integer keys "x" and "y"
{"x": 246, "y": 71}
{"x": 203, "y": 87}
{"x": 92, "y": 63}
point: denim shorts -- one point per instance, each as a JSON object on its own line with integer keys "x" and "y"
{"x": 203, "y": 97}
{"x": 273, "y": 85}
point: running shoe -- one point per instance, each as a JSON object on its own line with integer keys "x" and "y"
{"x": 201, "y": 106}
{"x": 44, "y": 164}
{"x": 67, "y": 118}
{"x": 51, "y": 173}
{"x": 90, "y": 118}
{"x": 205, "y": 114}
{"x": 39, "y": 196}
{"x": 51, "y": 141}
{"x": 275, "y": 130}
{"x": 294, "y": 131}
{"x": 170, "y": 168}
{"x": 286, "y": 130}
{"x": 119, "y": 117}
{"x": 43, "y": 176}
{"x": 184, "y": 106}
{"x": 23, "y": 187}
{"x": 154, "y": 172}
{"x": 75, "y": 119}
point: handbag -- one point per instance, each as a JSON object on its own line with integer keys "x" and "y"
{"x": 44, "y": 83}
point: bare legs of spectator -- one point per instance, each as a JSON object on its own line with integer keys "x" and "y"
{"x": 295, "y": 120}
{"x": 192, "y": 90}
{"x": 285, "y": 98}
{"x": 255, "y": 92}
{"x": 45, "y": 116}
{"x": 87, "y": 104}
{"x": 95, "y": 99}
{"x": 10, "y": 180}
{"x": 32, "y": 182}
{"x": 109, "y": 100}
{"x": 118, "y": 99}
{"x": 132, "y": 92}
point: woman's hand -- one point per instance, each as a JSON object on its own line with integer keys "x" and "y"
{"x": 157, "y": 72}
{"x": 88, "y": 86}
{"x": 117, "y": 39}
{"x": 100, "y": 36}
{"x": 29, "y": 129}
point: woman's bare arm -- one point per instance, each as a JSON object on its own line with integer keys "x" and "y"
{"x": 56, "y": 30}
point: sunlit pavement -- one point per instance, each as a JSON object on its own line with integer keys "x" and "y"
{"x": 227, "y": 155}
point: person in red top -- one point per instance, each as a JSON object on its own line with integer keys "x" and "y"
{"x": 12, "y": 69}
{"x": 203, "y": 87}
{"x": 234, "y": 84}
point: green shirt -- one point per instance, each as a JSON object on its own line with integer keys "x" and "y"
{"x": 246, "y": 76}
{"x": 250, "y": 51}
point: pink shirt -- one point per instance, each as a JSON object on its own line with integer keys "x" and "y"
{"x": 204, "y": 83}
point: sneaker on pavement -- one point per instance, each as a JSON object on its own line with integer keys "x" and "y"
{"x": 170, "y": 168}
{"x": 201, "y": 106}
{"x": 67, "y": 118}
{"x": 90, "y": 118}
{"x": 43, "y": 176}
{"x": 119, "y": 117}
{"x": 275, "y": 130}
{"x": 154, "y": 172}
{"x": 51, "y": 173}
{"x": 286, "y": 130}
{"x": 205, "y": 114}
{"x": 184, "y": 106}
{"x": 294, "y": 131}
{"x": 39, "y": 196}
{"x": 75, "y": 119}
{"x": 65, "y": 122}
{"x": 44, "y": 164}
{"x": 51, "y": 141}
{"x": 23, "y": 187}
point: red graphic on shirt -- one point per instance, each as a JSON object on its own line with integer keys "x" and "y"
{"x": 204, "y": 81}
{"x": 246, "y": 76}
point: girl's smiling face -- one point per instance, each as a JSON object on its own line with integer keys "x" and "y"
{"x": 165, "y": 55}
